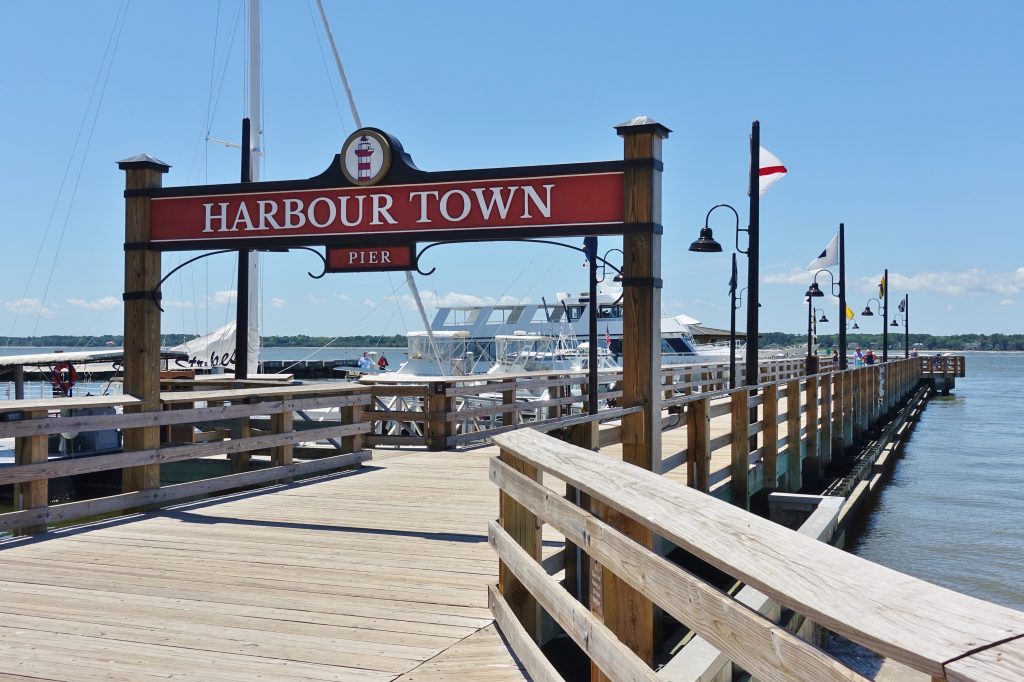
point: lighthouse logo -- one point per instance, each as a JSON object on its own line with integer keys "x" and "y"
{"x": 365, "y": 157}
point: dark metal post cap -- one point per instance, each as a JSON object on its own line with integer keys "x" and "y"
{"x": 143, "y": 161}
{"x": 642, "y": 124}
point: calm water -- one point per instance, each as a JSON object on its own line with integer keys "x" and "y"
{"x": 953, "y": 512}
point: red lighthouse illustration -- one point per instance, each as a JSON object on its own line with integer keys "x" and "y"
{"x": 363, "y": 153}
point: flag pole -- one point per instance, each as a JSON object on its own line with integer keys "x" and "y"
{"x": 842, "y": 296}
{"x": 753, "y": 254}
{"x": 906, "y": 325}
{"x": 885, "y": 318}
{"x": 753, "y": 235}
{"x": 732, "y": 324}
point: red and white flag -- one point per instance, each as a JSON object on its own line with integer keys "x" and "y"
{"x": 770, "y": 170}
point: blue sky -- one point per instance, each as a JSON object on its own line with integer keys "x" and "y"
{"x": 899, "y": 119}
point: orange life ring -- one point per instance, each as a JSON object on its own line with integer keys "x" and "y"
{"x": 64, "y": 376}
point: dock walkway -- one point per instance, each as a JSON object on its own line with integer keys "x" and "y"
{"x": 376, "y": 574}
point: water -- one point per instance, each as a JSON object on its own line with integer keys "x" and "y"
{"x": 952, "y": 512}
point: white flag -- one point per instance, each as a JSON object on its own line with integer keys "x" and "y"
{"x": 828, "y": 257}
{"x": 769, "y": 171}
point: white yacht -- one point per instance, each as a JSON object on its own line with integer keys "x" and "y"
{"x": 474, "y": 339}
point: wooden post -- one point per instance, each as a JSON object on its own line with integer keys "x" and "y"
{"x": 510, "y": 418}
{"x": 813, "y": 461}
{"x": 141, "y": 314}
{"x": 626, "y": 612}
{"x": 770, "y": 452}
{"x": 739, "y": 487}
{"x": 825, "y": 444}
{"x": 282, "y": 422}
{"x": 352, "y": 414}
{"x": 698, "y": 444}
{"x": 794, "y": 478}
{"x": 32, "y": 494}
{"x": 525, "y": 529}
{"x": 849, "y": 383}
{"x": 438, "y": 406}
{"x": 839, "y": 379}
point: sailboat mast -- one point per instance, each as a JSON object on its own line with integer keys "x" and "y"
{"x": 247, "y": 330}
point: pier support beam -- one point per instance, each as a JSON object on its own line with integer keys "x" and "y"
{"x": 141, "y": 314}
{"x": 626, "y": 612}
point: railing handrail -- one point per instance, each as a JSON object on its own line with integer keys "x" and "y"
{"x": 914, "y": 622}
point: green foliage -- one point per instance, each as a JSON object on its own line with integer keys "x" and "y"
{"x": 959, "y": 342}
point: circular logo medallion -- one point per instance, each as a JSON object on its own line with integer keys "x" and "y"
{"x": 365, "y": 157}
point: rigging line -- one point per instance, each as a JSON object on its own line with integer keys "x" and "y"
{"x": 224, "y": 69}
{"x": 337, "y": 60}
{"x": 201, "y": 141}
{"x": 357, "y": 322}
{"x": 67, "y": 171}
{"x": 81, "y": 166}
{"x": 327, "y": 69}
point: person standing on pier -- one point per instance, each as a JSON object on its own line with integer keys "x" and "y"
{"x": 366, "y": 362}
{"x": 869, "y": 357}
{"x": 858, "y": 358}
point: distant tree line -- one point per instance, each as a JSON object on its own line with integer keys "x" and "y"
{"x": 768, "y": 340}
{"x": 959, "y": 342}
{"x": 68, "y": 341}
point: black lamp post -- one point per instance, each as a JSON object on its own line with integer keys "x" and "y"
{"x": 839, "y": 290}
{"x": 885, "y": 316}
{"x": 706, "y": 244}
{"x": 902, "y": 318}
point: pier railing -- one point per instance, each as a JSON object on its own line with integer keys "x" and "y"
{"x": 446, "y": 412}
{"x": 939, "y": 632}
{"x": 254, "y": 427}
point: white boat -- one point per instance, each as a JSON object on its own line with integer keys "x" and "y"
{"x": 476, "y": 338}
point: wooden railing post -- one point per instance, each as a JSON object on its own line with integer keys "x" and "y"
{"x": 282, "y": 422}
{"x": 511, "y": 417}
{"x": 794, "y": 477}
{"x": 839, "y": 380}
{"x": 141, "y": 315}
{"x": 698, "y": 444}
{"x": 439, "y": 406}
{"x": 525, "y": 529}
{"x": 859, "y": 384}
{"x": 33, "y": 494}
{"x": 825, "y": 444}
{"x": 739, "y": 487}
{"x": 813, "y": 461}
{"x": 770, "y": 449}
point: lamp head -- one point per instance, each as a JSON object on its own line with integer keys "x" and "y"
{"x": 855, "y": 326}
{"x": 823, "y": 318}
{"x": 867, "y": 312}
{"x": 894, "y": 323}
{"x": 814, "y": 290}
{"x": 706, "y": 242}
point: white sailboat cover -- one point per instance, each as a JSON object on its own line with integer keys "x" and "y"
{"x": 217, "y": 349}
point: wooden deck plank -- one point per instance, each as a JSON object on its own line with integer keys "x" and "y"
{"x": 313, "y": 581}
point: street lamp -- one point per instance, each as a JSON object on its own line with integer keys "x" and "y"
{"x": 904, "y": 319}
{"x": 838, "y": 290}
{"x": 706, "y": 244}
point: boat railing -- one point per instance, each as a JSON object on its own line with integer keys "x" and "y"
{"x": 934, "y": 630}
{"x": 254, "y": 428}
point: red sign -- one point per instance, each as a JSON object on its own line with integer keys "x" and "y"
{"x": 585, "y": 199}
{"x": 369, "y": 259}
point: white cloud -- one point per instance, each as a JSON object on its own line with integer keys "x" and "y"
{"x": 792, "y": 277}
{"x": 105, "y": 303}
{"x": 278, "y": 302}
{"x": 454, "y": 298}
{"x": 30, "y": 306}
{"x": 970, "y": 282}
{"x": 1006, "y": 301}
{"x": 225, "y": 296}
{"x": 315, "y": 300}
{"x": 369, "y": 303}
{"x": 343, "y": 297}
{"x": 187, "y": 305}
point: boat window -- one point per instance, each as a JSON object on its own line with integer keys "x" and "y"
{"x": 612, "y": 311}
{"x": 575, "y": 312}
{"x": 676, "y": 345}
{"x": 556, "y": 313}
{"x": 515, "y": 314}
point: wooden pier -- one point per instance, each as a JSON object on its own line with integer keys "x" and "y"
{"x": 362, "y": 560}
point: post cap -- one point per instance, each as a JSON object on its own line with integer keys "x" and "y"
{"x": 143, "y": 161}
{"x": 642, "y": 124}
